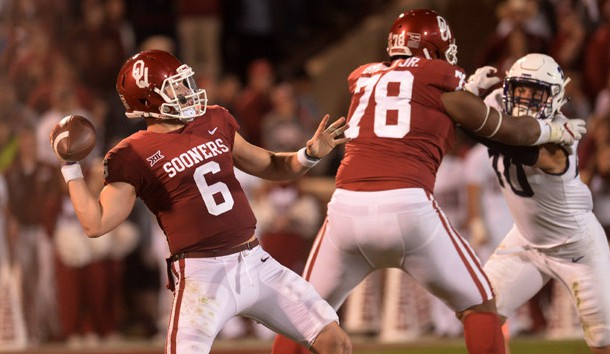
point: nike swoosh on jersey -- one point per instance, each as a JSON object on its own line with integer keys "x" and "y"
{"x": 264, "y": 259}
{"x": 576, "y": 259}
{"x": 212, "y": 131}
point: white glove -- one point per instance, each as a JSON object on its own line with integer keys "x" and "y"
{"x": 565, "y": 131}
{"x": 480, "y": 82}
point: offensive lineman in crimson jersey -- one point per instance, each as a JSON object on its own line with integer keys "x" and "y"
{"x": 412, "y": 151}
{"x": 182, "y": 167}
{"x": 402, "y": 120}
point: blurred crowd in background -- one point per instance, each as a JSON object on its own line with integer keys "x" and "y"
{"x": 61, "y": 57}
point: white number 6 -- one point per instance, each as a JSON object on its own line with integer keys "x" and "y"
{"x": 208, "y": 191}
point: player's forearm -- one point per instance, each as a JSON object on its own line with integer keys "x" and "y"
{"x": 488, "y": 122}
{"x": 502, "y": 128}
{"x": 87, "y": 207}
{"x": 284, "y": 166}
{"x": 274, "y": 166}
{"x": 523, "y": 131}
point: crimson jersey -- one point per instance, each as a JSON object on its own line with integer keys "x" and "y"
{"x": 186, "y": 179}
{"x": 399, "y": 127}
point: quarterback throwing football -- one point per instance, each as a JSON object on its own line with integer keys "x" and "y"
{"x": 182, "y": 167}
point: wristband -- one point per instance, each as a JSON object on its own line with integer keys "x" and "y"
{"x": 471, "y": 87}
{"x": 545, "y": 133}
{"x": 71, "y": 171}
{"x": 305, "y": 159}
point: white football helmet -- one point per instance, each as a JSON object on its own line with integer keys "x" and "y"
{"x": 534, "y": 86}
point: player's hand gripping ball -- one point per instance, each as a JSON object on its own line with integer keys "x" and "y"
{"x": 73, "y": 138}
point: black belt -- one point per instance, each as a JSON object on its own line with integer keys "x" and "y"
{"x": 214, "y": 253}
{"x": 204, "y": 254}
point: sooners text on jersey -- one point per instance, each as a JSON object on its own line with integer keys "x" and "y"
{"x": 186, "y": 179}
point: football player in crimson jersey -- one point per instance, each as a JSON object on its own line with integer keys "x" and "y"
{"x": 402, "y": 120}
{"x": 555, "y": 234}
{"x": 182, "y": 167}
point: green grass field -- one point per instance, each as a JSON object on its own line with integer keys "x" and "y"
{"x": 362, "y": 345}
{"x": 517, "y": 346}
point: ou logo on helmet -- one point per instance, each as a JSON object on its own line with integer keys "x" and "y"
{"x": 140, "y": 74}
{"x": 443, "y": 28}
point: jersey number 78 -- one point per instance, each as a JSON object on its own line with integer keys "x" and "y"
{"x": 400, "y": 103}
{"x": 384, "y": 103}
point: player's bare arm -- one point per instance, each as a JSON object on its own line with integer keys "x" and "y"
{"x": 100, "y": 215}
{"x": 287, "y": 165}
{"x": 473, "y": 114}
{"x": 72, "y": 139}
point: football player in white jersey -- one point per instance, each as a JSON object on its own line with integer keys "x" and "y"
{"x": 555, "y": 234}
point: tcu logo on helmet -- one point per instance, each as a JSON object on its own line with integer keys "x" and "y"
{"x": 140, "y": 71}
{"x": 443, "y": 28}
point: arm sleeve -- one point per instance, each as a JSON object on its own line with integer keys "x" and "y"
{"x": 231, "y": 126}
{"x": 119, "y": 167}
{"x": 445, "y": 76}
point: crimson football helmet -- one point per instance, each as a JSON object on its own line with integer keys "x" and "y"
{"x": 535, "y": 86}
{"x": 422, "y": 33}
{"x": 155, "y": 83}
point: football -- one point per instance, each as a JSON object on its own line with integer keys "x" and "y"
{"x": 73, "y": 138}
